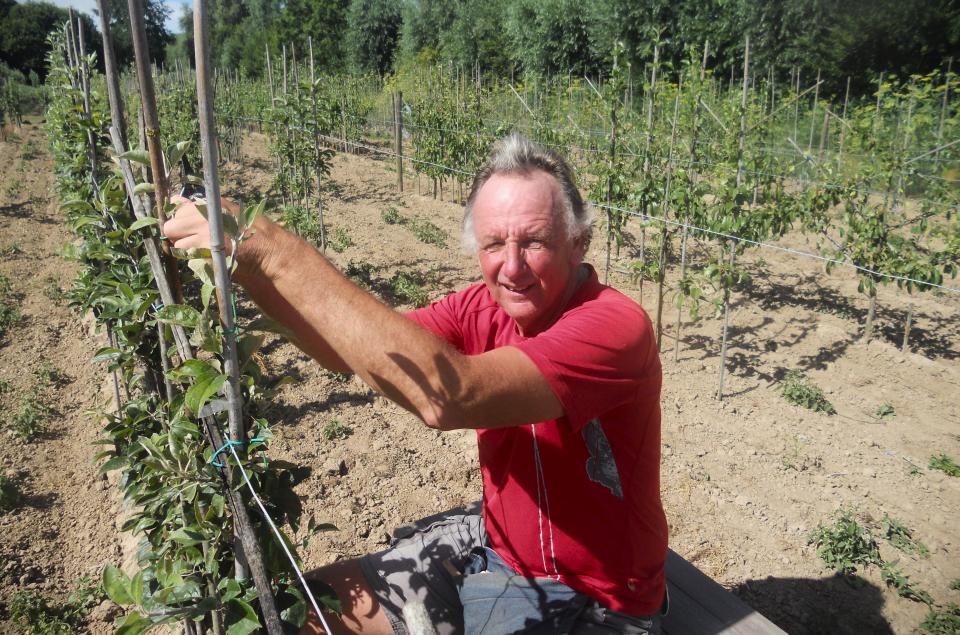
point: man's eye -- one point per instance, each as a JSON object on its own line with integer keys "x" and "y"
{"x": 494, "y": 246}
{"x": 535, "y": 244}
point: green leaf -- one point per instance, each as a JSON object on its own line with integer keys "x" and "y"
{"x": 187, "y": 537}
{"x": 230, "y": 226}
{"x": 136, "y": 586}
{"x": 248, "y": 622}
{"x": 202, "y": 390}
{"x": 137, "y": 156}
{"x": 116, "y": 584}
{"x": 107, "y": 354}
{"x": 203, "y": 269}
{"x": 148, "y": 221}
{"x": 192, "y": 368}
{"x": 115, "y": 463}
{"x": 133, "y": 624}
{"x": 250, "y": 213}
{"x": 144, "y": 188}
{"x": 179, "y": 314}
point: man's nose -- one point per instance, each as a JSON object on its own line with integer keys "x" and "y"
{"x": 515, "y": 261}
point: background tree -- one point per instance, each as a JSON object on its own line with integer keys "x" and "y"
{"x": 23, "y": 34}
{"x": 158, "y": 37}
{"x": 374, "y": 29}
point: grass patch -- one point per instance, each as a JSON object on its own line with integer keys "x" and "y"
{"x": 334, "y": 430}
{"x": 885, "y": 412}
{"x": 10, "y": 494}
{"x": 800, "y": 391}
{"x": 361, "y": 273}
{"x": 33, "y": 614}
{"x": 895, "y": 579}
{"x": 10, "y": 313}
{"x": 409, "y": 289}
{"x": 29, "y": 421}
{"x": 421, "y": 228}
{"x": 302, "y": 222}
{"x": 52, "y": 290}
{"x": 845, "y": 545}
{"x": 901, "y": 537}
{"x": 392, "y": 216}
{"x": 945, "y": 464}
{"x": 340, "y": 240}
{"x": 942, "y": 621}
{"x": 13, "y": 249}
{"x": 427, "y": 232}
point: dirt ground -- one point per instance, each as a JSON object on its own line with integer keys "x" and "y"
{"x": 744, "y": 480}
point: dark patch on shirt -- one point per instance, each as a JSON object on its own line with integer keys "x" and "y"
{"x": 601, "y": 467}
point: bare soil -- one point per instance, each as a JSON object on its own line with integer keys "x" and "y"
{"x": 744, "y": 480}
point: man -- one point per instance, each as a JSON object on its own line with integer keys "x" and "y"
{"x": 559, "y": 375}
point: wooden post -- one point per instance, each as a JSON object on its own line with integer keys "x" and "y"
{"x": 741, "y": 137}
{"x": 398, "y": 134}
{"x": 943, "y": 113}
{"x": 726, "y": 322}
{"x": 269, "y": 73}
{"x": 225, "y": 304}
{"x": 610, "y": 163}
{"x": 813, "y": 113}
{"x": 843, "y": 120}
{"x": 316, "y": 147}
{"x": 905, "y": 347}
{"x": 664, "y": 233}
{"x": 824, "y": 130}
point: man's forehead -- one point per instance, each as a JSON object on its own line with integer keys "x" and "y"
{"x": 514, "y": 191}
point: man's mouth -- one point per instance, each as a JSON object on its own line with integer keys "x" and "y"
{"x": 516, "y": 288}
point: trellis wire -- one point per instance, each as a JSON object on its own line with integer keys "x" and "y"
{"x": 677, "y": 161}
{"x": 695, "y": 228}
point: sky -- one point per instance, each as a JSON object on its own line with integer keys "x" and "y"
{"x": 87, "y": 6}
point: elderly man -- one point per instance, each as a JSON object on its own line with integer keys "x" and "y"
{"x": 558, "y": 374}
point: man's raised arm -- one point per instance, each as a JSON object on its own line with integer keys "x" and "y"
{"x": 345, "y": 328}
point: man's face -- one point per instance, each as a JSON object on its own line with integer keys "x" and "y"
{"x": 528, "y": 262}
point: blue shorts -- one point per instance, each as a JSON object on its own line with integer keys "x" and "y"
{"x": 466, "y": 588}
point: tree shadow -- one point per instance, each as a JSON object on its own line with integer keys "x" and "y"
{"x": 838, "y": 604}
{"x": 40, "y": 502}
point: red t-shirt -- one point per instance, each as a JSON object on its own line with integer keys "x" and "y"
{"x": 575, "y": 498}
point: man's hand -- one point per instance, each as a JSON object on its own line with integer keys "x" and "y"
{"x": 188, "y": 229}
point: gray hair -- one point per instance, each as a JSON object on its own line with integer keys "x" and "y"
{"x": 515, "y": 154}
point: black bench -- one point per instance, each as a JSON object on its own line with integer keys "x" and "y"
{"x": 700, "y": 606}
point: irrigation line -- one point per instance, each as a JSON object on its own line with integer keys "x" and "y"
{"x": 283, "y": 543}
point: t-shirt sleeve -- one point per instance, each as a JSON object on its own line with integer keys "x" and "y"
{"x": 441, "y": 319}
{"x": 596, "y": 357}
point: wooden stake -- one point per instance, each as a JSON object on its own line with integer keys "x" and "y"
{"x": 225, "y": 304}
{"x": 316, "y": 147}
{"x": 398, "y": 134}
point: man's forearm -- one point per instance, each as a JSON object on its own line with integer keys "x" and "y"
{"x": 345, "y": 328}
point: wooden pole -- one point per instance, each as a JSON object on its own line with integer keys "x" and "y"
{"x": 943, "y": 112}
{"x": 664, "y": 231}
{"x": 225, "y": 303}
{"x": 398, "y": 133}
{"x": 610, "y": 178}
{"x": 152, "y": 122}
{"x": 316, "y": 147}
{"x": 813, "y": 113}
{"x": 111, "y": 74}
{"x": 843, "y": 119}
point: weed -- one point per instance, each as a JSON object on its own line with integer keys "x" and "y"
{"x": 794, "y": 458}
{"x": 901, "y": 537}
{"x": 13, "y": 249}
{"x": 942, "y": 621}
{"x": 885, "y": 412}
{"x": 340, "y": 240}
{"x": 427, "y": 232}
{"x": 5, "y": 387}
{"x": 845, "y": 545}
{"x": 32, "y": 614}
{"x": 391, "y": 216}
{"x": 798, "y": 390}
{"x": 29, "y": 151}
{"x": 955, "y": 585}
{"x": 302, "y": 222}
{"x": 335, "y": 430}
{"x": 10, "y": 495}
{"x": 29, "y": 422}
{"x": 945, "y": 464}
{"x": 408, "y": 288}
{"x": 895, "y": 579}
{"x": 52, "y": 290}
{"x": 338, "y": 377}
{"x": 361, "y": 273}
{"x": 10, "y": 313}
